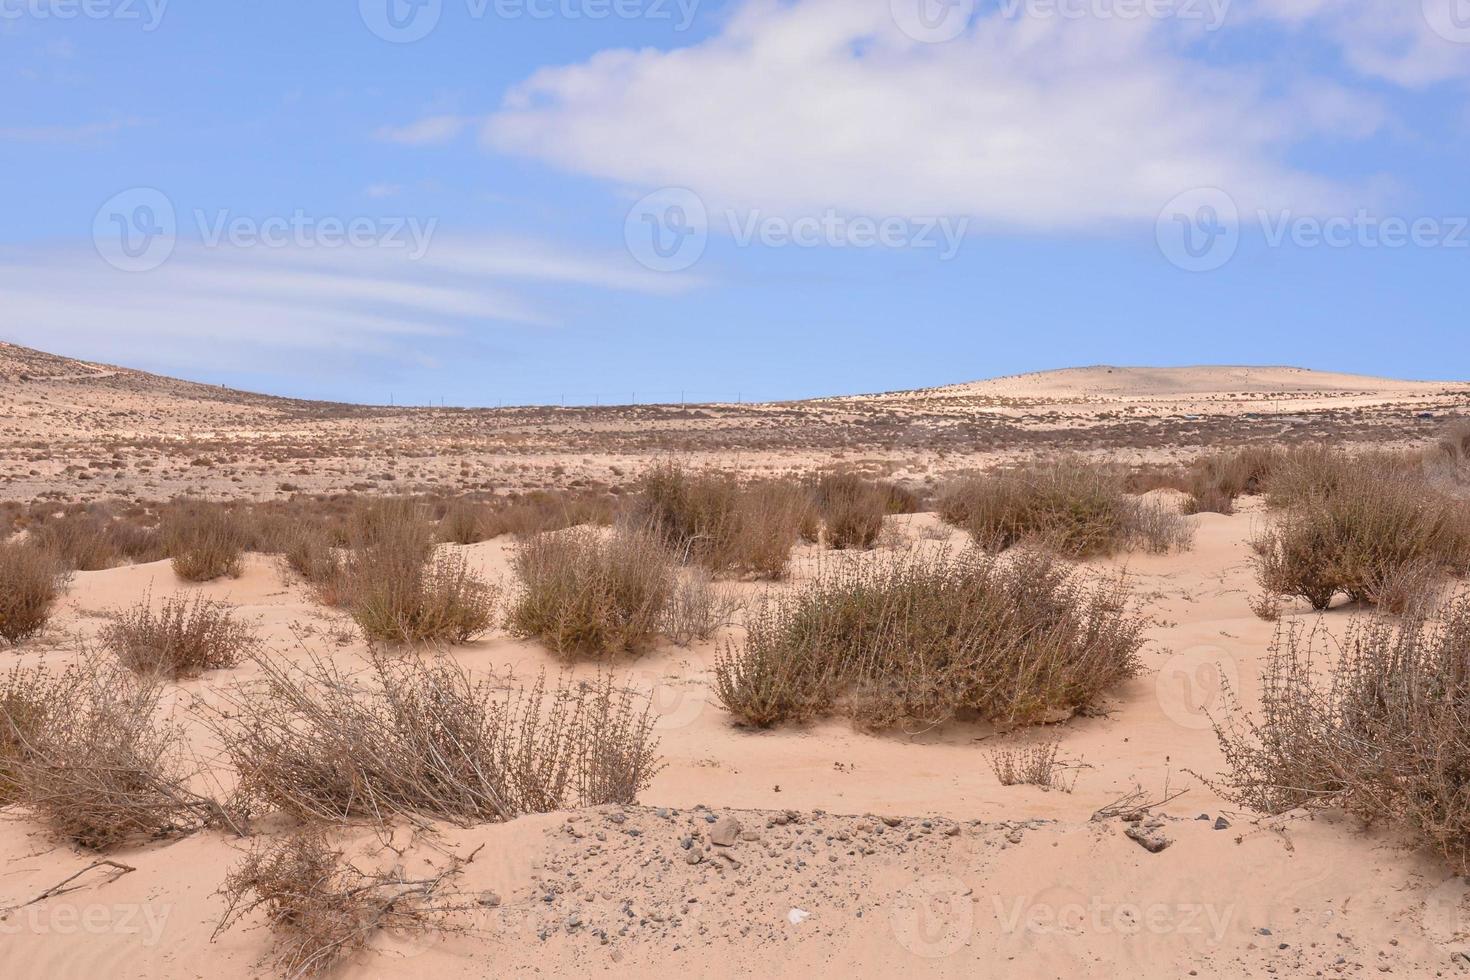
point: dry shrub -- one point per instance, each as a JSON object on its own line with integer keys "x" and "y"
{"x": 1377, "y": 535}
{"x": 1216, "y": 481}
{"x": 205, "y": 541}
{"x": 102, "y": 771}
{"x": 436, "y": 601}
{"x": 584, "y": 593}
{"x": 714, "y": 520}
{"x": 322, "y": 910}
{"x": 541, "y": 510}
{"x": 81, "y": 540}
{"x": 414, "y": 737}
{"x": 1074, "y": 507}
{"x": 399, "y": 591}
{"x": 31, "y": 580}
{"x": 466, "y": 522}
{"x": 698, "y": 608}
{"x": 184, "y": 638}
{"x": 852, "y": 509}
{"x": 1039, "y": 765}
{"x": 27, "y": 699}
{"x": 308, "y": 550}
{"x": 1378, "y": 725}
{"x": 922, "y": 638}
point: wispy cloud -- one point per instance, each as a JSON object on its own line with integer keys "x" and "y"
{"x": 80, "y": 133}
{"x": 429, "y": 131}
{"x": 252, "y": 307}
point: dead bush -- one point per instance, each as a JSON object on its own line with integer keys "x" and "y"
{"x": 1076, "y": 508}
{"x": 102, "y": 771}
{"x": 205, "y": 541}
{"x": 28, "y": 697}
{"x": 466, "y": 522}
{"x": 31, "y": 580}
{"x": 417, "y": 737}
{"x": 714, "y": 520}
{"x": 81, "y": 540}
{"x": 1373, "y": 535}
{"x": 1037, "y": 765}
{"x": 395, "y": 598}
{"x": 184, "y": 638}
{"x": 584, "y": 593}
{"x": 1215, "y": 482}
{"x": 698, "y": 607}
{"x": 1376, "y": 725}
{"x": 540, "y": 511}
{"x": 307, "y": 549}
{"x": 920, "y": 639}
{"x": 320, "y": 909}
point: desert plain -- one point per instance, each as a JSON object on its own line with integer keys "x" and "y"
{"x": 857, "y": 852}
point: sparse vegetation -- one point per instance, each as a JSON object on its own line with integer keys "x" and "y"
{"x": 422, "y": 738}
{"x": 205, "y": 541}
{"x": 101, "y": 771}
{"x": 1038, "y": 765}
{"x": 714, "y": 520}
{"x": 1217, "y": 480}
{"x": 319, "y": 908}
{"x": 1376, "y": 725}
{"x": 31, "y": 580}
{"x": 1375, "y": 532}
{"x": 184, "y": 638}
{"x": 919, "y": 639}
{"x": 1076, "y": 508}
{"x": 584, "y": 593}
{"x": 698, "y": 607}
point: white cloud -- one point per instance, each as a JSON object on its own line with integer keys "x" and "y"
{"x": 1030, "y": 122}
{"x": 429, "y": 131}
{"x": 250, "y": 307}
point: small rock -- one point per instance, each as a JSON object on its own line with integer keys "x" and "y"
{"x": 490, "y": 900}
{"x": 725, "y": 832}
{"x": 694, "y": 856}
{"x": 1150, "y": 840}
{"x": 893, "y": 821}
{"x": 1221, "y": 823}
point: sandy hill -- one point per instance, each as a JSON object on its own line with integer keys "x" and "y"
{"x": 1142, "y": 383}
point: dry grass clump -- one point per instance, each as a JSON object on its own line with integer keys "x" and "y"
{"x": 308, "y": 550}
{"x": 1037, "y": 765}
{"x": 1378, "y": 725}
{"x": 1215, "y": 482}
{"x": 698, "y": 608}
{"x": 466, "y": 522}
{"x": 1074, "y": 507}
{"x": 920, "y": 639}
{"x": 540, "y": 511}
{"x": 714, "y": 520}
{"x": 205, "y": 541}
{"x": 31, "y": 580}
{"x": 413, "y": 737}
{"x": 853, "y": 508}
{"x": 584, "y": 593}
{"x": 320, "y": 909}
{"x": 184, "y": 638}
{"x": 399, "y": 591}
{"x": 1376, "y": 533}
{"x": 101, "y": 771}
{"x": 82, "y": 540}
{"x": 27, "y": 699}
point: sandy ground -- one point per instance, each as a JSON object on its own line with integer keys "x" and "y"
{"x": 866, "y": 855}
{"x": 73, "y": 431}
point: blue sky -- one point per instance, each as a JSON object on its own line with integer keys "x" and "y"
{"x": 516, "y": 201}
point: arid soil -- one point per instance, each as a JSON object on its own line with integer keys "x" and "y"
{"x": 866, "y": 854}
{"x": 73, "y": 431}
{"x": 803, "y": 851}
